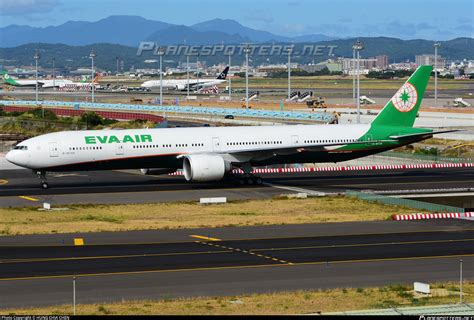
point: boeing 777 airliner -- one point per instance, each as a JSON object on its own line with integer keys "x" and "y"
{"x": 209, "y": 153}
{"x": 182, "y": 84}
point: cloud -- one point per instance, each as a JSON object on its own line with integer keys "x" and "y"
{"x": 26, "y": 7}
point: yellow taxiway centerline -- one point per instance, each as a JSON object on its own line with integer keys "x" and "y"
{"x": 28, "y": 198}
{"x": 204, "y": 238}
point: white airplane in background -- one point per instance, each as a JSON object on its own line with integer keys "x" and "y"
{"x": 42, "y": 83}
{"x": 182, "y": 84}
{"x": 210, "y": 153}
{"x": 84, "y": 85}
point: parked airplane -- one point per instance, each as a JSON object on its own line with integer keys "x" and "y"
{"x": 84, "y": 85}
{"x": 182, "y": 84}
{"x": 209, "y": 153}
{"x": 42, "y": 83}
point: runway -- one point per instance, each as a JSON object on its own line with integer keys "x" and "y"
{"x": 211, "y": 253}
{"x": 231, "y": 260}
{"x": 21, "y": 187}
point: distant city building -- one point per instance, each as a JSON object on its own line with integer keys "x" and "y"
{"x": 331, "y": 65}
{"x": 82, "y": 71}
{"x": 469, "y": 69}
{"x": 368, "y": 64}
{"x": 312, "y": 67}
{"x": 403, "y": 66}
{"x": 275, "y": 68}
{"x": 361, "y": 71}
{"x": 148, "y": 71}
{"x": 429, "y": 59}
{"x": 193, "y": 66}
{"x": 382, "y": 62}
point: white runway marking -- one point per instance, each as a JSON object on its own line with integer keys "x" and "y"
{"x": 295, "y": 189}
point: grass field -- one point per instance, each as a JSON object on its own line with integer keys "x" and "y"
{"x": 299, "y": 302}
{"x": 91, "y": 218}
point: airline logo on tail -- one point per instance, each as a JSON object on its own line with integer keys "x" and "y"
{"x": 223, "y": 74}
{"x": 6, "y": 77}
{"x": 406, "y": 97}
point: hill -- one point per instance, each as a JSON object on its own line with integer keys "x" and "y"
{"x": 72, "y": 57}
{"x": 130, "y": 30}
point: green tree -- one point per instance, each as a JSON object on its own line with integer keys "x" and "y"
{"x": 91, "y": 119}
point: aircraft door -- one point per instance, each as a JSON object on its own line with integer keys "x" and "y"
{"x": 53, "y": 149}
{"x": 119, "y": 149}
{"x": 216, "y": 144}
{"x": 295, "y": 140}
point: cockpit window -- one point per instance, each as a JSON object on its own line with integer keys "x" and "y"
{"x": 20, "y": 148}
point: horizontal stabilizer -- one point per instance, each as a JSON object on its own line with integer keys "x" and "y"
{"x": 413, "y": 135}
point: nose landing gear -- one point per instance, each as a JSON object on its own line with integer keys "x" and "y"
{"x": 42, "y": 176}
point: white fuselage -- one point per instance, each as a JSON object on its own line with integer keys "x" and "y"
{"x": 136, "y": 147}
{"x": 182, "y": 84}
{"x": 54, "y": 83}
{"x": 43, "y": 83}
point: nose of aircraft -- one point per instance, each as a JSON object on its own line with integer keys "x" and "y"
{"x": 15, "y": 157}
{"x": 10, "y": 156}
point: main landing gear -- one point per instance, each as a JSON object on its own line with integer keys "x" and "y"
{"x": 248, "y": 178}
{"x": 42, "y": 176}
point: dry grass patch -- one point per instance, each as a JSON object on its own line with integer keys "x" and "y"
{"x": 91, "y": 218}
{"x": 273, "y": 303}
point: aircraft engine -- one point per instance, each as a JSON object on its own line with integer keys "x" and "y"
{"x": 204, "y": 167}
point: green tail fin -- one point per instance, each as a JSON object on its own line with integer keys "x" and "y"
{"x": 401, "y": 110}
{"x": 7, "y": 79}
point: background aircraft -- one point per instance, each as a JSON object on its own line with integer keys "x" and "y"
{"x": 182, "y": 84}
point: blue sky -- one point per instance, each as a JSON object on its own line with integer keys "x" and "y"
{"x": 433, "y": 19}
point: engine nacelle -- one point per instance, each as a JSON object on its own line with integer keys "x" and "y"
{"x": 180, "y": 87}
{"x": 157, "y": 171}
{"x": 204, "y": 167}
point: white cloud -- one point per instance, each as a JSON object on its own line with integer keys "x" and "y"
{"x": 26, "y": 7}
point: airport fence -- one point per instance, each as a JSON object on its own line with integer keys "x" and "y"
{"x": 324, "y": 117}
{"x": 413, "y": 204}
{"x": 417, "y": 157}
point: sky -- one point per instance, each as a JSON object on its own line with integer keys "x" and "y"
{"x": 414, "y": 19}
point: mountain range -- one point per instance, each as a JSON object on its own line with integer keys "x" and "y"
{"x": 71, "y": 57}
{"x": 130, "y": 30}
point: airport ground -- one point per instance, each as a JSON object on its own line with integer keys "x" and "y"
{"x": 21, "y": 188}
{"x": 335, "y": 89}
{"x": 218, "y": 257}
{"x": 312, "y": 302}
{"x": 38, "y": 270}
{"x": 338, "y": 101}
{"x": 272, "y": 256}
